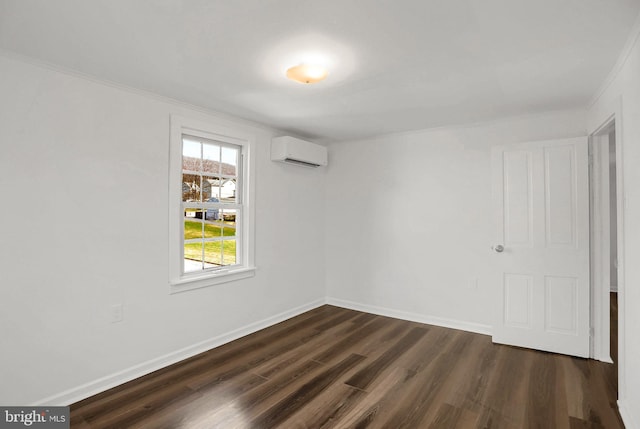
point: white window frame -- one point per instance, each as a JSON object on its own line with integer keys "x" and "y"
{"x": 178, "y": 280}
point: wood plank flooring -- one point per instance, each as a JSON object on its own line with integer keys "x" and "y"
{"x": 338, "y": 368}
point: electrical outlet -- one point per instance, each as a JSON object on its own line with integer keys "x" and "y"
{"x": 116, "y": 313}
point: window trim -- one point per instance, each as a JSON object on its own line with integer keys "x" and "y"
{"x": 178, "y": 281}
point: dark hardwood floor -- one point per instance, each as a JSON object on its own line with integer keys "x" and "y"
{"x": 337, "y": 368}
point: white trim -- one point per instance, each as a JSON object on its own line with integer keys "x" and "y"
{"x": 622, "y": 60}
{"x": 100, "y": 385}
{"x": 620, "y": 224}
{"x": 615, "y": 113}
{"x": 212, "y": 278}
{"x": 630, "y": 422}
{"x": 600, "y": 240}
{"x": 477, "y": 328}
{"x": 245, "y": 232}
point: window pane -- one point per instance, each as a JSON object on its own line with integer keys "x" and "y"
{"x": 212, "y": 228}
{"x": 211, "y": 158}
{"x": 229, "y": 161}
{"x": 190, "y": 187}
{"x": 228, "y": 223}
{"x": 228, "y": 190}
{"x": 229, "y": 215}
{"x": 212, "y": 214}
{"x": 193, "y": 223}
{"x": 211, "y": 189}
{"x": 191, "y": 154}
{"x": 192, "y": 257}
{"x": 212, "y": 253}
{"x": 229, "y": 252}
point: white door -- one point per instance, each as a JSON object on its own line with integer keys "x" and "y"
{"x": 541, "y": 252}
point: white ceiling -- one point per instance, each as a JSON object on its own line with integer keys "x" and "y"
{"x": 394, "y": 65}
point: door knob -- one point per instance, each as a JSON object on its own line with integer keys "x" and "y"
{"x": 499, "y": 248}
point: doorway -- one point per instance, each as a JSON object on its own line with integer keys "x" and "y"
{"x": 605, "y": 225}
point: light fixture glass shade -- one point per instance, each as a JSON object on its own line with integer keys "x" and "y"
{"x": 307, "y": 73}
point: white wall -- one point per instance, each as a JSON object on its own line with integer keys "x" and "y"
{"x": 622, "y": 98}
{"x": 84, "y": 225}
{"x": 409, "y": 219}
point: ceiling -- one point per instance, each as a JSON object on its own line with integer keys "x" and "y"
{"x": 394, "y": 65}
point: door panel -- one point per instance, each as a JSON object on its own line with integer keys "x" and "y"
{"x": 560, "y": 195}
{"x": 517, "y": 198}
{"x": 518, "y": 290}
{"x": 542, "y": 273}
{"x": 561, "y": 314}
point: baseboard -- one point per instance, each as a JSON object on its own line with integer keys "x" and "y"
{"x": 89, "y": 389}
{"x": 627, "y": 416}
{"x": 413, "y": 317}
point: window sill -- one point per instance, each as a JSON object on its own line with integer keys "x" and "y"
{"x": 211, "y": 279}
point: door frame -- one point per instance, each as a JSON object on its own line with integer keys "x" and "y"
{"x": 615, "y": 119}
{"x": 599, "y": 225}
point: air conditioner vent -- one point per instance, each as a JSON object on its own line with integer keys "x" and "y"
{"x": 299, "y": 162}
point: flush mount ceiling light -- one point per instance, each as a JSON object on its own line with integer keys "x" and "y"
{"x": 307, "y": 73}
{"x": 322, "y": 56}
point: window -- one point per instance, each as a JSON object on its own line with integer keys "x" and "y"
{"x": 210, "y": 197}
{"x": 210, "y": 176}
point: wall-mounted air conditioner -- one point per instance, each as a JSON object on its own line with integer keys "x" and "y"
{"x": 299, "y": 152}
